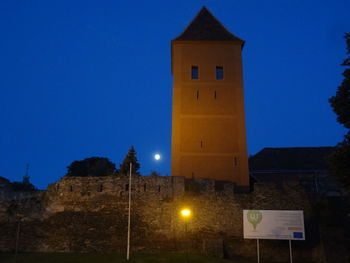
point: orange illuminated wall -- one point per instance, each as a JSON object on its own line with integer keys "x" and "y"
{"x": 208, "y": 127}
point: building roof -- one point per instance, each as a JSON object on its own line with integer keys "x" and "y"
{"x": 205, "y": 27}
{"x": 290, "y": 159}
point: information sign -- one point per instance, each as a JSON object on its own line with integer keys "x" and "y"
{"x": 273, "y": 224}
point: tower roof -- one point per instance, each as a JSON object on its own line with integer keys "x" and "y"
{"x": 205, "y": 27}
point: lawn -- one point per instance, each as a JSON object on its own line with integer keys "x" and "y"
{"x": 106, "y": 258}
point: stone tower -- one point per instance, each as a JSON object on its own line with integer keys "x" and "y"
{"x": 208, "y": 126}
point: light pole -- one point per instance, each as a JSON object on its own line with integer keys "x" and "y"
{"x": 19, "y": 216}
{"x": 129, "y": 216}
{"x": 186, "y": 213}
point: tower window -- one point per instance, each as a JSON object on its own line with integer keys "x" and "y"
{"x": 194, "y": 72}
{"x": 219, "y": 73}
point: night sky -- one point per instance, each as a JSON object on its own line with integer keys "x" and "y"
{"x": 90, "y": 78}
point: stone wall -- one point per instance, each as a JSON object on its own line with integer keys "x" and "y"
{"x": 90, "y": 214}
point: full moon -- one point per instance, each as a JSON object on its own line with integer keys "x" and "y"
{"x": 157, "y": 156}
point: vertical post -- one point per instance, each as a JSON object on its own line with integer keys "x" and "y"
{"x": 129, "y": 216}
{"x": 17, "y": 237}
{"x": 258, "y": 250}
{"x": 290, "y": 251}
{"x": 186, "y": 233}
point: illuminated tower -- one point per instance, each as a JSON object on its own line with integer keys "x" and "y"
{"x": 208, "y": 127}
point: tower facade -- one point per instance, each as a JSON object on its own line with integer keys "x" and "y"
{"x": 208, "y": 124}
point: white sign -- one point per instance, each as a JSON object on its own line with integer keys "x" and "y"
{"x": 273, "y": 224}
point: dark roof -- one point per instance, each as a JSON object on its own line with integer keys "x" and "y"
{"x": 297, "y": 159}
{"x": 205, "y": 27}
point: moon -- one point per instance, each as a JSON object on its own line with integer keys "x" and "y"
{"x": 157, "y": 156}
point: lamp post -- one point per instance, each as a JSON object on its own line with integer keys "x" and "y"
{"x": 186, "y": 213}
{"x": 129, "y": 216}
{"x": 19, "y": 216}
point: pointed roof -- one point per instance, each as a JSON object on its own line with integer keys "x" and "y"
{"x": 205, "y": 27}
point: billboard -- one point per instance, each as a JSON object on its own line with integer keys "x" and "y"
{"x": 273, "y": 224}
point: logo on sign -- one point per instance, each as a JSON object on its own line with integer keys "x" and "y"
{"x": 254, "y": 217}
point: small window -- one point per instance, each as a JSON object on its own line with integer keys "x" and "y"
{"x": 101, "y": 188}
{"x": 219, "y": 73}
{"x": 127, "y": 187}
{"x": 144, "y": 187}
{"x": 158, "y": 189}
{"x": 194, "y": 72}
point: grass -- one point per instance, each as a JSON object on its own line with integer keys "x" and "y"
{"x": 106, "y": 258}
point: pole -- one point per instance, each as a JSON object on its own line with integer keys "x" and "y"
{"x": 258, "y": 249}
{"x": 186, "y": 232}
{"x": 129, "y": 216}
{"x": 17, "y": 238}
{"x": 290, "y": 251}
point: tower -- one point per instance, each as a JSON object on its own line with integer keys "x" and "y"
{"x": 208, "y": 125}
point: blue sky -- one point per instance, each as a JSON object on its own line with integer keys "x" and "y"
{"x": 90, "y": 78}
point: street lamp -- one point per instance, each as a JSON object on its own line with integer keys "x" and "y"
{"x": 129, "y": 216}
{"x": 186, "y": 213}
{"x": 19, "y": 217}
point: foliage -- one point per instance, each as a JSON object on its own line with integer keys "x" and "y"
{"x": 339, "y": 160}
{"x": 130, "y": 158}
{"x": 154, "y": 173}
{"x": 3, "y": 179}
{"x": 341, "y": 101}
{"x": 93, "y": 166}
{"x": 25, "y": 185}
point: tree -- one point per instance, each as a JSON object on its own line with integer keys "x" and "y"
{"x": 340, "y": 159}
{"x": 25, "y": 185}
{"x": 129, "y": 158}
{"x": 93, "y": 166}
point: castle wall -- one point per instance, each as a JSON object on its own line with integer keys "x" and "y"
{"x": 90, "y": 214}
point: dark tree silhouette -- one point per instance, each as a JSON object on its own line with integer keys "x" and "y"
{"x": 130, "y": 158}
{"x": 93, "y": 166}
{"x": 25, "y": 185}
{"x": 340, "y": 159}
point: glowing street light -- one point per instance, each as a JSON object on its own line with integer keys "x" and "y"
{"x": 157, "y": 156}
{"x": 185, "y": 212}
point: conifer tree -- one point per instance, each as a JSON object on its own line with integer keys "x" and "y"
{"x": 130, "y": 158}
{"x": 340, "y": 159}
